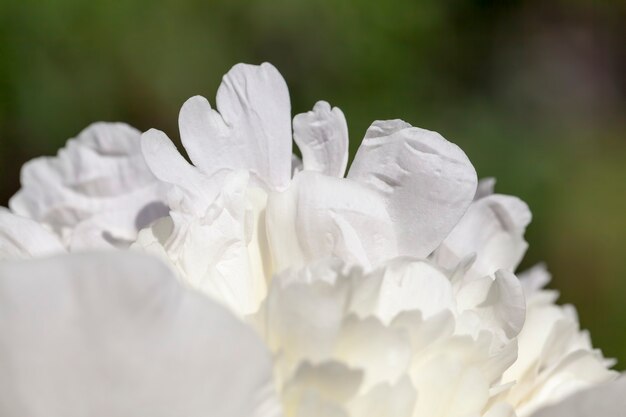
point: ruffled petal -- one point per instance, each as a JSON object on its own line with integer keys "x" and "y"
{"x": 23, "y": 238}
{"x": 427, "y": 183}
{"x": 606, "y": 400}
{"x": 397, "y": 400}
{"x": 322, "y": 136}
{"x": 102, "y": 170}
{"x": 221, "y": 251}
{"x": 493, "y": 228}
{"x": 413, "y": 285}
{"x": 320, "y": 216}
{"x": 251, "y": 128}
{"x": 495, "y": 304}
{"x": 112, "y": 334}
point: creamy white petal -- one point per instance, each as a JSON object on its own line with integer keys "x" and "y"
{"x": 498, "y": 304}
{"x": 112, "y": 334}
{"x": 218, "y": 251}
{"x": 606, "y": 400}
{"x": 322, "y": 136}
{"x": 555, "y": 358}
{"x": 251, "y": 128}
{"x": 534, "y": 279}
{"x": 394, "y": 400}
{"x": 303, "y": 320}
{"x": 320, "y": 216}
{"x": 423, "y": 332}
{"x": 413, "y": 285}
{"x": 447, "y": 387}
{"x": 23, "y": 238}
{"x": 493, "y": 228}
{"x": 427, "y": 183}
{"x": 331, "y": 382}
{"x": 500, "y": 410}
{"x": 383, "y": 352}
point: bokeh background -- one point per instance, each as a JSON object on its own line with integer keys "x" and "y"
{"x": 534, "y": 91}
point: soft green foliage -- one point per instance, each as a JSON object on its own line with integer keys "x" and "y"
{"x": 533, "y": 93}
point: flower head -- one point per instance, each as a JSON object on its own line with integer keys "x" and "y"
{"x": 387, "y": 290}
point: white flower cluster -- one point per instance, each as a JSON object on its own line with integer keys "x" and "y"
{"x": 286, "y": 286}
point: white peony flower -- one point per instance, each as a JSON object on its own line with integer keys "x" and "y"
{"x": 387, "y": 292}
{"x": 96, "y": 193}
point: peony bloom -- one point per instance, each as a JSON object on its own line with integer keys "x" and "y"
{"x": 386, "y": 290}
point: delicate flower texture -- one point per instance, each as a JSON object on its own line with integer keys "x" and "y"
{"x": 237, "y": 217}
{"x": 392, "y": 342}
{"x": 555, "y": 359}
{"x": 387, "y": 290}
{"x": 96, "y": 193}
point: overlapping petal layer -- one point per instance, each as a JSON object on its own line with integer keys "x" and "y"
{"x": 96, "y": 193}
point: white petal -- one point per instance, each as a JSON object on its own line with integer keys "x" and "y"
{"x": 448, "y": 387}
{"x": 100, "y": 171}
{"x": 219, "y": 249}
{"x": 499, "y": 303}
{"x": 322, "y": 136}
{"x": 113, "y": 334}
{"x": 426, "y": 181}
{"x": 296, "y": 164}
{"x": 394, "y": 400}
{"x": 22, "y": 238}
{"x": 168, "y": 165}
{"x": 320, "y": 216}
{"x": 493, "y": 228}
{"x": 383, "y": 352}
{"x": 485, "y": 187}
{"x": 413, "y": 285}
{"x": 331, "y": 381}
{"x": 303, "y": 320}
{"x": 114, "y": 229}
{"x": 500, "y": 410}
{"x": 534, "y": 279}
{"x": 422, "y": 332}
{"x": 606, "y": 400}
{"x": 251, "y": 128}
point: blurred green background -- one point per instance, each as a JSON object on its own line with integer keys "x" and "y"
{"x": 533, "y": 91}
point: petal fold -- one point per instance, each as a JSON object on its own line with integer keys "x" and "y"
{"x": 493, "y": 228}
{"x": 23, "y": 238}
{"x": 427, "y": 183}
{"x": 606, "y": 400}
{"x": 320, "y": 216}
{"x": 101, "y": 171}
